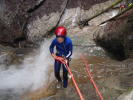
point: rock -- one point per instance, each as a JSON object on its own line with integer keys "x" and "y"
{"x": 45, "y": 19}
{"x": 79, "y": 10}
{"x": 116, "y": 36}
{"x": 9, "y": 55}
{"x": 61, "y": 12}
{"x": 13, "y": 19}
{"x": 33, "y": 19}
{"x": 126, "y": 96}
{"x": 6, "y": 55}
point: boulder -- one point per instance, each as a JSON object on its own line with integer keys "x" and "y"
{"x": 117, "y": 36}
{"x": 126, "y": 96}
{"x": 45, "y": 19}
{"x": 32, "y": 20}
{"x": 13, "y": 19}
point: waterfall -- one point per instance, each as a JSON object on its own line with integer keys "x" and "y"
{"x": 31, "y": 75}
{"x": 75, "y": 17}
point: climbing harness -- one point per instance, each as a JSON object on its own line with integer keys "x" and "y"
{"x": 91, "y": 78}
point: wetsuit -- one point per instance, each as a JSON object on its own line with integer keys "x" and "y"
{"x": 63, "y": 50}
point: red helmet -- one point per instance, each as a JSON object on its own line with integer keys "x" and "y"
{"x": 61, "y": 31}
{"x": 122, "y": 6}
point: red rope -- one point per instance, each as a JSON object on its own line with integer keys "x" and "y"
{"x": 89, "y": 75}
{"x": 91, "y": 78}
{"x": 74, "y": 81}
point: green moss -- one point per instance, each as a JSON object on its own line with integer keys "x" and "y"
{"x": 130, "y": 89}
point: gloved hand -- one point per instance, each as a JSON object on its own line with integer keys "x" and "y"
{"x": 61, "y": 59}
{"x": 55, "y": 57}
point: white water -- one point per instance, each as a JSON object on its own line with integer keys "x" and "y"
{"x": 126, "y": 96}
{"x": 114, "y": 13}
{"x": 75, "y": 17}
{"x": 31, "y": 75}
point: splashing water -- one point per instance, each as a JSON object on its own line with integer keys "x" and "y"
{"x": 30, "y": 75}
{"x": 114, "y": 13}
{"x": 75, "y": 17}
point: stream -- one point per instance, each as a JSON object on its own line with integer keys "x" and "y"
{"x": 30, "y": 76}
{"x": 33, "y": 79}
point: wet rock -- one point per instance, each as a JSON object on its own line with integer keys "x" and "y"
{"x": 6, "y": 55}
{"x": 116, "y": 36}
{"x": 60, "y": 12}
{"x": 45, "y": 19}
{"x": 9, "y": 55}
{"x": 80, "y": 10}
{"x": 13, "y": 19}
{"x": 33, "y": 19}
{"x": 126, "y": 96}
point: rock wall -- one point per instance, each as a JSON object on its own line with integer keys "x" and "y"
{"x": 32, "y": 19}
{"x": 126, "y": 96}
{"x": 60, "y": 12}
{"x": 13, "y": 19}
{"x": 117, "y": 36}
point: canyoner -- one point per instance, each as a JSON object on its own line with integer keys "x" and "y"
{"x": 64, "y": 49}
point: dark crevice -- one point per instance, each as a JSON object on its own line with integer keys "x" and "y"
{"x": 17, "y": 40}
{"x": 129, "y": 21}
{"x": 62, "y": 13}
{"x": 36, "y": 7}
{"x": 114, "y": 48}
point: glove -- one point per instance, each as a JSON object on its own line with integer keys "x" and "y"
{"x": 62, "y": 60}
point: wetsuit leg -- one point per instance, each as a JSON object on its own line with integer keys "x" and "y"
{"x": 57, "y": 67}
{"x": 65, "y": 76}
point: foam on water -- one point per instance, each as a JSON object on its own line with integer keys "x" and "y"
{"x": 30, "y": 75}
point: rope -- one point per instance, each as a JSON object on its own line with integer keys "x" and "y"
{"x": 89, "y": 75}
{"x": 73, "y": 79}
{"x": 91, "y": 78}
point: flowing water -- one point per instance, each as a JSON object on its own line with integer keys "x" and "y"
{"x": 32, "y": 74}
{"x": 33, "y": 79}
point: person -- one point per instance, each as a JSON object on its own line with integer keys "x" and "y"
{"x": 122, "y": 7}
{"x": 64, "y": 49}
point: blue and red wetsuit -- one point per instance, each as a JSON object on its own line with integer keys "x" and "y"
{"x": 63, "y": 50}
